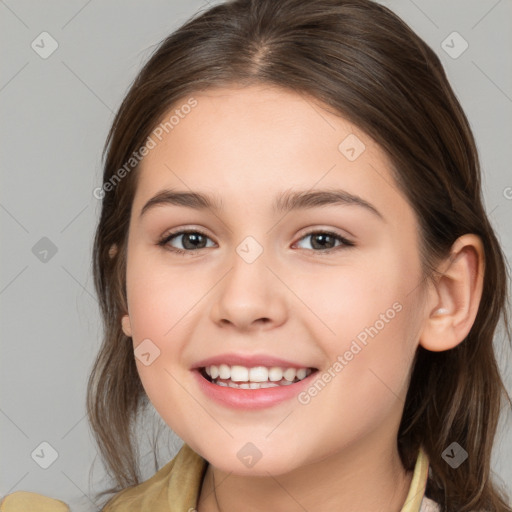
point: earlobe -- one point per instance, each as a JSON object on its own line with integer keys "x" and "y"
{"x": 455, "y": 297}
{"x": 112, "y": 250}
{"x": 126, "y": 325}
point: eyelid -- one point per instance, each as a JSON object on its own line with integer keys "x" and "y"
{"x": 346, "y": 242}
{"x": 164, "y": 239}
{"x": 309, "y": 230}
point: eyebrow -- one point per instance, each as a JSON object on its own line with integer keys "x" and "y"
{"x": 287, "y": 201}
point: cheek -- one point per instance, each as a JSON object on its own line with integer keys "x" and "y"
{"x": 364, "y": 386}
{"x": 160, "y": 298}
{"x": 368, "y": 323}
{"x": 160, "y": 303}
{"x": 360, "y": 299}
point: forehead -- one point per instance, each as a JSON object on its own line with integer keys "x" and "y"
{"x": 244, "y": 145}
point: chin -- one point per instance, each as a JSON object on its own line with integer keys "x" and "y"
{"x": 251, "y": 461}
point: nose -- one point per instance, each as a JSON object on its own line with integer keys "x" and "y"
{"x": 249, "y": 297}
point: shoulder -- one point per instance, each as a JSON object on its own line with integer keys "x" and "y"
{"x": 22, "y": 501}
{"x": 178, "y": 482}
{"x": 144, "y": 496}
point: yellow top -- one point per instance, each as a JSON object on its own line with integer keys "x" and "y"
{"x": 176, "y": 486}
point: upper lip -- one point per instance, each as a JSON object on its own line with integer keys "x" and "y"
{"x": 249, "y": 361}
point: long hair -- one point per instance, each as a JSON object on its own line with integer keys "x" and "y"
{"x": 366, "y": 65}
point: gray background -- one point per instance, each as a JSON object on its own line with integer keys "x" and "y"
{"x": 55, "y": 116}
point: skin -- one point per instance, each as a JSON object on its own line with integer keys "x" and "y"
{"x": 339, "y": 451}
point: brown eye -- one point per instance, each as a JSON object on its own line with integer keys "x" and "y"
{"x": 190, "y": 241}
{"x": 325, "y": 240}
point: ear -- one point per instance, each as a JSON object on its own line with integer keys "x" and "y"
{"x": 112, "y": 250}
{"x": 454, "y": 298}
{"x": 126, "y": 325}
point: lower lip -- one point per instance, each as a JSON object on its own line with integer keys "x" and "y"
{"x": 237, "y": 398}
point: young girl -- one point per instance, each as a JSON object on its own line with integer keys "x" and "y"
{"x": 296, "y": 270}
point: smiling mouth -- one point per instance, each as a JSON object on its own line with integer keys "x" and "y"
{"x": 256, "y": 377}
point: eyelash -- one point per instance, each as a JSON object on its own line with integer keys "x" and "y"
{"x": 167, "y": 238}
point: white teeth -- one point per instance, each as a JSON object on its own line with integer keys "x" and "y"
{"x": 257, "y": 377}
{"x": 249, "y": 385}
{"x": 259, "y": 385}
{"x": 275, "y": 373}
{"x": 224, "y": 372}
{"x": 269, "y": 385}
{"x": 289, "y": 374}
{"x": 258, "y": 374}
{"x": 239, "y": 373}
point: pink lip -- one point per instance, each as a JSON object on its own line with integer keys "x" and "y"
{"x": 251, "y": 398}
{"x": 248, "y": 360}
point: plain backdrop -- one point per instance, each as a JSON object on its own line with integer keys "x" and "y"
{"x": 56, "y": 110}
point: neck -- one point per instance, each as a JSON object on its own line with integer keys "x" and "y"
{"x": 370, "y": 479}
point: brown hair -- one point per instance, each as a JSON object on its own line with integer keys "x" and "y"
{"x": 367, "y": 65}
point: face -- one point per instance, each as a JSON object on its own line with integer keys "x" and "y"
{"x": 274, "y": 332}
